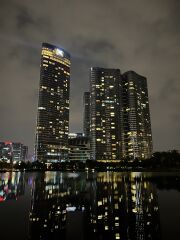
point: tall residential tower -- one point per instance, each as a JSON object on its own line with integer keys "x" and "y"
{"x": 105, "y": 114}
{"x": 53, "y": 106}
{"x": 120, "y": 124}
{"x": 86, "y": 117}
{"x": 136, "y": 116}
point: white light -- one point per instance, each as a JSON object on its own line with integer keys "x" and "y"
{"x": 71, "y": 209}
{"x": 59, "y": 52}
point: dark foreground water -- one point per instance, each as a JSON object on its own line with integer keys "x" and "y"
{"x": 56, "y": 205}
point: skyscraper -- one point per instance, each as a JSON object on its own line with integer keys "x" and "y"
{"x": 53, "y": 106}
{"x": 25, "y": 153}
{"x": 17, "y": 152}
{"x": 105, "y": 113}
{"x": 13, "y": 151}
{"x": 136, "y": 116}
{"x": 86, "y": 117}
{"x": 6, "y": 151}
{"x": 120, "y": 124}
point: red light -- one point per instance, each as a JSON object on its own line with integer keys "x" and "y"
{"x": 1, "y": 199}
{"x": 8, "y": 142}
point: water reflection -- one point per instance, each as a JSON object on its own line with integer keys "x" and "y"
{"x": 88, "y": 205}
{"x": 95, "y": 206}
{"x": 60, "y": 203}
{"x": 12, "y": 186}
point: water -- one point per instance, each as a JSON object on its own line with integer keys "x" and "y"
{"x": 105, "y": 205}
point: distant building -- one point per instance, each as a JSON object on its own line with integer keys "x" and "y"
{"x": 86, "y": 115}
{"x": 13, "y": 152}
{"x": 24, "y": 153}
{"x": 137, "y": 134}
{"x": 79, "y": 148}
{"x": 6, "y": 151}
{"x": 53, "y": 106}
{"x": 17, "y": 152}
{"x": 105, "y": 114}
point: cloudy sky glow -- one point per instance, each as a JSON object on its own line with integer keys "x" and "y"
{"x": 139, "y": 35}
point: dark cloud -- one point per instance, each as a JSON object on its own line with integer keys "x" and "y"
{"x": 98, "y": 46}
{"x": 169, "y": 90}
{"x": 24, "y": 18}
{"x": 139, "y": 35}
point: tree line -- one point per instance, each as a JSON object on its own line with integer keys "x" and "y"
{"x": 159, "y": 161}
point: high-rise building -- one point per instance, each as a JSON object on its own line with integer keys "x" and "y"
{"x": 24, "y": 153}
{"x": 105, "y": 114}
{"x": 13, "y": 151}
{"x": 86, "y": 117}
{"x": 6, "y": 151}
{"x": 53, "y": 106}
{"x": 137, "y": 136}
{"x": 120, "y": 124}
{"x": 17, "y": 152}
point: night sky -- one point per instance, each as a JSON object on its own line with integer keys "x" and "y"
{"x": 139, "y": 35}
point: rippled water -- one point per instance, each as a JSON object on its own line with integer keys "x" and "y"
{"x": 104, "y": 205}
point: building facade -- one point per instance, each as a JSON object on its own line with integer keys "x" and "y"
{"x": 6, "y": 151}
{"x": 79, "y": 149}
{"x": 105, "y": 114}
{"x": 24, "y": 153}
{"x": 53, "y": 105}
{"x": 17, "y": 152}
{"x": 120, "y": 126}
{"x": 86, "y": 115}
{"x": 137, "y": 137}
{"x": 13, "y": 151}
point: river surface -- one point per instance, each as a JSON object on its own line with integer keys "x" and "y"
{"x": 103, "y": 205}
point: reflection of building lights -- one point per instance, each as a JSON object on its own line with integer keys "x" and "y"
{"x": 117, "y": 236}
{"x": 99, "y": 203}
{"x": 71, "y": 209}
{"x": 1, "y": 199}
{"x": 103, "y": 218}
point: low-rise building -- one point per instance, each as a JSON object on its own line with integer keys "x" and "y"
{"x": 79, "y": 148}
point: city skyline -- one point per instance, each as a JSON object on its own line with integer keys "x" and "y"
{"x": 144, "y": 39}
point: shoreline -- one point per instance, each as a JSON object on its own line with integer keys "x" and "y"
{"x": 94, "y": 170}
